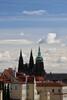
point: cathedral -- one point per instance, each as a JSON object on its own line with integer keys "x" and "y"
{"x": 37, "y": 68}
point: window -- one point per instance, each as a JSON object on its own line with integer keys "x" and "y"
{"x": 27, "y": 86}
{"x": 53, "y": 90}
{"x": 59, "y": 90}
{"x": 11, "y": 88}
{"x": 15, "y": 87}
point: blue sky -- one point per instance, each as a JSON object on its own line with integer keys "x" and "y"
{"x": 50, "y": 15}
{"x": 15, "y": 7}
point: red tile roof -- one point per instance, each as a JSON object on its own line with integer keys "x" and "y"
{"x": 50, "y": 84}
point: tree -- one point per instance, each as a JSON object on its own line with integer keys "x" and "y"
{"x": 4, "y": 93}
{"x": 8, "y": 93}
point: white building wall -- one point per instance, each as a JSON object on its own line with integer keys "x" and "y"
{"x": 64, "y": 91}
{"x": 24, "y": 92}
{"x": 1, "y": 95}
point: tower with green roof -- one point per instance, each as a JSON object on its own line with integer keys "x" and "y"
{"x": 39, "y": 65}
{"x": 39, "y": 57}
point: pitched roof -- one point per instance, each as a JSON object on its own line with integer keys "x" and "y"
{"x": 56, "y": 77}
{"x": 50, "y": 84}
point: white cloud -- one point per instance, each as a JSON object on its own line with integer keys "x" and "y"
{"x": 9, "y": 56}
{"x": 18, "y": 41}
{"x": 41, "y": 40}
{"x": 63, "y": 59}
{"x": 51, "y": 38}
{"x": 5, "y": 55}
{"x": 54, "y": 58}
{"x": 24, "y": 55}
{"x": 35, "y": 12}
{"x": 63, "y": 45}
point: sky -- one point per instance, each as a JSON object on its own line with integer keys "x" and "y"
{"x": 16, "y": 7}
{"x": 26, "y": 24}
{"x": 33, "y": 13}
{"x": 47, "y": 15}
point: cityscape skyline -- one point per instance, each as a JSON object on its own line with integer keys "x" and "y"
{"x": 33, "y": 49}
{"x": 26, "y": 25}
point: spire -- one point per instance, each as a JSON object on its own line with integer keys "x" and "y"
{"x": 39, "y": 57}
{"x": 39, "y": 66}
{"x": 20, "y": 65}
{"x": 39, "y": 53}
{"x": 20, "y": 57}
{"x": 31, "y": 55}
{"x": 21, "y": 53}
{"x": 31, "y": 62}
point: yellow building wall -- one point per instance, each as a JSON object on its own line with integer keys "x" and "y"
{"x": 42, "y": 92}
{"x": 30, "y": 92}
{"x": 16, "y": 91}
{"x": 46, "y": 93}
{"x": 56, "y": 94}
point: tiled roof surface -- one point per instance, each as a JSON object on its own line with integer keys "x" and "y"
{"x": 57, "y": 77}
{"x": 50, "y": 84}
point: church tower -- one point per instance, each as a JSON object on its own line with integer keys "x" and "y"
{"x": 39, "y": 65}
{"x": 31, "y": 64}
{"x": 20, "y": 65}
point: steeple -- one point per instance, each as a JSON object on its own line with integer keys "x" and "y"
{"x": 20, "y": 57}
{"x": 20, "y": 53}
{"x": 39, "y": 57}
{"x": 39, "y": 69}
{"x": 31, "y": 58}
{"x": 20, "y": 65}
{"x": 39, "y": 53}
{"x": 31, "y": 62}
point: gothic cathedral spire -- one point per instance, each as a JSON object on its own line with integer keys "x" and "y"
{"x": 39, "y": 53}
{"x": 39, "y": 69}
{"x": 31, "y": 63}
{"x": 20, "y": 65}
{"x": 39, "y": 57}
